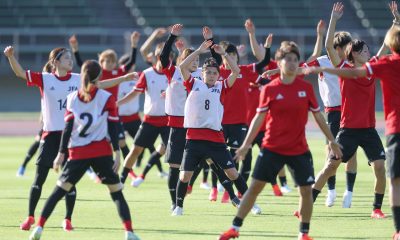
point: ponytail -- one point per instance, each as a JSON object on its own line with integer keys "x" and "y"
{"x": 85, "y": 87}
{"x": 48, "y": 67}
{"x": 90, "y": 73}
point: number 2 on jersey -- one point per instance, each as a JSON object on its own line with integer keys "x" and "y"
{"x": 87, "y": 125}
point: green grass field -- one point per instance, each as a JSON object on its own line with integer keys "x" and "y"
{"x": 95, "y": 216}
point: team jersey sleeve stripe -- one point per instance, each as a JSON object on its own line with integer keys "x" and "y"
{"x": 68, "y": 117}
{"x": 28, "y": 76}
{"x": 315, "y": 109}
{"x": 111, "y": 118}
{"x": 368, "y": 65}
{"x": 138, "y": 89}
{"x": 262, "y": 109}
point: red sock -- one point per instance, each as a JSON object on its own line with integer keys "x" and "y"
{"x": 128, "y": 225}
{"x": 41, "y": 221}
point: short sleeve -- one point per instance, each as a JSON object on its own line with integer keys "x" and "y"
{"x": 141, "y": 85}
{"x": 264, "y": 100}
{"x": 376, "y": 68}
{"x": 312, "y": 100}
{"x": 34, "y": 79}
{"x": 169, "y": 71}
{"x": 111, "y": 108}
{"x": 189, "y": 84}
{"x": 68, "y": 116}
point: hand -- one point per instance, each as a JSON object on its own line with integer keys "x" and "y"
{"x": 131, "y": 76}
{"x": 242, "y": 50}
{"x": 395, "y": 12}
{"x": 159, "y": 32}
{"x": 241, "y": 153}
{"x": 180, "y": 45}
{"x": 218, "y": 49}
{"x": 337, "y": 11}
{"x": 58, "y": 161}
{"x": 321, "y": 28}
{"x": 73, "y": 43}
{"x": 335, "y": 148}
{"x": 204, "y": 46}
{"x": 268, "y": 41}
{"x": 135, "y": 39}
{"x": 177, "y": 29}
{"x": 117, "y": 162}
{"x": 207, "y": 33}
{"x": 9, "y": 51}
{"x": 250, "y": 28}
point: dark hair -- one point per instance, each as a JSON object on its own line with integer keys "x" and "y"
{"x": 286, "y": 48}
{"x": 341, "y": 39}
{"x": 185, "y": 53}
{"x": 90, "y": 72}
{"x": 229, "y": 48}
{"x": 210, "y": 62}
{"x": 354, "y": 46}
{"x": 54, "y": 55}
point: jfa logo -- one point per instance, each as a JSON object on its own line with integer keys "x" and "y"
{"x": 215, "y": 90}
{"x": 72, "y": 88}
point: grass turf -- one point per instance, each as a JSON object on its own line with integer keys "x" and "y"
{"x": 95, "y": 215}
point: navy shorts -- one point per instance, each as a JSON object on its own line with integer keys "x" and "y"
{"x": 147, "y": 135}
{"x": 393, "y": 155}
{"x": 270, "y": 163}
{"x": 176, "y": 145}
{"x": 234, "y": 134}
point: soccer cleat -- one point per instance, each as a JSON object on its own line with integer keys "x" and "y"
{"x": 137, "y": 181}
{"x": 296, "y": 214}
{"x": 225, "y": 197}
{"x": 277, "y": 190}
{"x": 347, "y": 198}
{"x": 220, "y": 187}
{"x": 132, "y": 174}
{"x": 213, "y": 194}
{"x": 304, "y": 236}
{"x": 235, "y": 202}
{"x": 205, "y": 185}
{"x": 396, "y": 236}
{"x": 256, "y": 210}
{"x": 286, "y": 189}
{"x": 67, "y": 225}
{"x": 26, "y": 225}
{"x": 131, "y": 236}
{"x": 20, "y": 171}
{"x": 178, "y": 211}
{"x": 189, "y": 190}
{"x": 36, "y": 233}
{"x": 377, "y": 214}
{"x": 163, "y": 174}
{"x": 330, "y": 198}
{"x": 231, "y": 233}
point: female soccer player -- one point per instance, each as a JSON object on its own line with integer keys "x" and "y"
{"x": 203, "y": 116}
{"x": 91, "y": 116}
{"x": 357, "y": 123}
{"x": 284, "y": 99}
{"x": 386, "y": 69}
{"x": 54, "y": 86}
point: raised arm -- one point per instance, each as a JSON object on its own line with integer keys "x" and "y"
{"x": 319, "y": 42}
{"x": 176, "y": 31}
{"x": 347, "y": 73}
{"x": 74, "y": 45}
{"x": 134, "y": 42}
{"x": 208, "y": 35}
{"x": 145, "y": 49}
{"x": 235, "y": 70}
{"x": 180, "y": 45}
{"x": 115, "y": 81}
{"x": 15, "y": 66}
{"x": 131, "y": 95}
{"x": 267, "y": 55}
{"x": 185, "y": 64}
{"x": 337, "y": 13}
{"x": 396, "y": 22}
{"x": 257, "y": 50}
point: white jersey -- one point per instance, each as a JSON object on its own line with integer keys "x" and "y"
{"x": 54, "y": 99}
{"x": 328, "y": 84}
{"x": 90, "y": 122}
{"x": 176, "y": 93}
{"x": 133, "y": 105}
{"x": 203, "y": 107}
{"x": 154, "y": 100}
